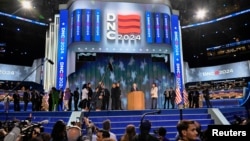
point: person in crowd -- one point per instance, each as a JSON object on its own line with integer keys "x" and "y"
{"x": 45, "y": 136}
{"x": 98, "y": 98}
{"x": 134, "y": 87}
{"x": 76, "y": 98}
{"x": 144, "y": 134}
{"x": 172, "y": 97}
{"x": 58, "y": 132}
{"x": 106, "y": 97}
{"x": 40, "y": 100}
{"x": 16, "y": 98}
{"x": 13, "y": 135}
{"x": 60, "y": 101}
{"x": 190, "y": 98}
{"x": 187, "y": 130}
{"x": 55, "y": 99}
{"x": 106, "y": 125}
{"x": 162, "y": 132}
{"x": 36, "y": 131}
{"x": 66, "y": 98}
{"x": 50, "y": 102}
{"x": 90, "y": 94}
{"x": 26, "y": 99}
{"x": 34, "y": 100}
{"x": 70, "y": 100}
{"x": 103, "y": 135}
{"x": 130, "y": 132}
{"x": 85, "y": 101}
{"x": 166, "y": 98}
{"x": 154, "y": 96}
{"x": 73, "y": 133}
{"x": 113, "y": 102}
{"x": 206, "y": 96}
{"x": 6, "y": 101}
{"x": 196, "y": 98}
{"x": 119, "y": 95}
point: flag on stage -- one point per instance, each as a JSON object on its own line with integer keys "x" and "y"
{"x": 178, "y": 98}
{"x": 185, "y": 95}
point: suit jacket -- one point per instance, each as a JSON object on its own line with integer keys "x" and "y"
{"x": 134, "y": 89}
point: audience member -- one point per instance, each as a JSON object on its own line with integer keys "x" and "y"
{"x": 187, "y": 130}
{"x": 106, "y": 125}
{"x": 130, "y": 132}
{"x": 162, "y": 132}
{"x": 59, "y": 131}
{"x": 73, "y": 133}
{"x": 103, "y": 135}
{"x": 144, "y": 134}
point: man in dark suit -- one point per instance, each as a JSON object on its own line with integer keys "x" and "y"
{"x": 134, "y": 87}
{"x": 26, "y": 98}
{"x": 166, "y": 98}
{"x": 76, "y": 98}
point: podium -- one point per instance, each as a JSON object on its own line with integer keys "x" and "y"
{"x": 136, "y": 100}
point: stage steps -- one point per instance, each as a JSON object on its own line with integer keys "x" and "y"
{"x": 167, "y": 118}
{"x": 121, "y": 118}
{"x": 229, "y": 113}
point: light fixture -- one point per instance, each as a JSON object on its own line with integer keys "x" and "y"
{"x": 200, "y": 14}
{"x": 26, "y": 4}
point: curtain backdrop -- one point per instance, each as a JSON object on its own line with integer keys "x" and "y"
{"x": 127, "y": 69}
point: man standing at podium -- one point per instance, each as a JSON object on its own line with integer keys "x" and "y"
{"x": 134, "y": 87}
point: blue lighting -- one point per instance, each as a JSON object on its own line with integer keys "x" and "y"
{"x": 218, "y": 19}
{"x": 23, "y": 19}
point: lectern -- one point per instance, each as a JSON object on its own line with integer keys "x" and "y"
{"x": 136, "y": 100}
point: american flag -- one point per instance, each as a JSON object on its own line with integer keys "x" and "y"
{"x": 185, "y": 95}
{"x": 178, "y": 98}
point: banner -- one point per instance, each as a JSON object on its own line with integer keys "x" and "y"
{"x": 177, "y": 53}
{"x": 77, "y": 25}
{"x": 166, "y": 28}
{"x": 158, "y": 29}
{"x": 97, "y": 25}
{"x": 87, "y": 25}
{"x": 149, "y": 27}
{"x": 62, "y": 50}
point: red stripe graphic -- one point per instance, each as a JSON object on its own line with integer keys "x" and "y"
{"x": 178, "y": 98}
{"x": 129, "y": 30}
{"x": 129, "y": 24}
{"x": 129, "y": 17}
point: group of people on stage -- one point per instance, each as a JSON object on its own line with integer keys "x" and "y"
{"x": 99, "y": 99}
{"x": 194, "y": 98}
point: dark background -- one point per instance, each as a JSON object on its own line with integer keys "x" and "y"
{"x": 23, "y": 46}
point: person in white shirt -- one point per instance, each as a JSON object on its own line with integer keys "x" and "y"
{"x": 154, "y": 96}
{"x": 85, "y": 97}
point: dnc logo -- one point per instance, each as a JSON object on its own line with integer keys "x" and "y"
{"x": 123, "y": 27}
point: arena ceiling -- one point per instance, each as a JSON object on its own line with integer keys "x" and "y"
{"x": 22, "y": 42}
